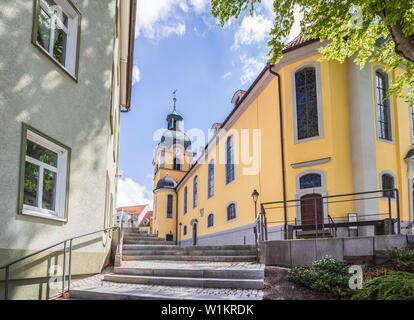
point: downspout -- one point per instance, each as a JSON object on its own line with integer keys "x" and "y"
{"x": 282, "y": 147}
{"x": 176, "y": 217}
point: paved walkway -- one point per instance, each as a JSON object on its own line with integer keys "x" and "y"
{"x": 97, "y": 283}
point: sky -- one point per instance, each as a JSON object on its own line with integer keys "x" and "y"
{"x": 179, "y": 46}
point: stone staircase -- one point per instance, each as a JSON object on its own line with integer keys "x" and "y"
{"x": 149, "y": 263}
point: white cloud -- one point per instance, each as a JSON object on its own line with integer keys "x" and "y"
{"x": 135, "y": 75}
{"x": 226, "y": 75}
{"x": 131, "y": 193}
{"x": 268, "y": 5}
{"x": 253, "y": 30}
{"x": 178, "y": 29}
{"x": 296, "y": 25}
{"x": 159, "y": 19}
{"x": 251, "y": 68}
{"x": 199, "y": 5}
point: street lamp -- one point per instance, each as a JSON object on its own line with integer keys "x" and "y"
{"x": 255, "y": 196}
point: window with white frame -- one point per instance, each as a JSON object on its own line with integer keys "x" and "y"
{"x": 387, "y": 184}
{"x": 56, "y": 31}
{"x": 229, "y": 160}
{"x": 195, "y": 192}
{"x": 210, "y": 220}
{"x": 185, "y": 200}
{"x": 383, "y": 106}
{"x": 45, "y": 177}
{"x": 170, "y": 202}
{"x": 231, "y": 211}
{"x": 210, "y": 184}
{"x": 307, "y": 120}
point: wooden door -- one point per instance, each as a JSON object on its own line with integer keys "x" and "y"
{"x": 308, "y": 204}
{"x": 194, "y": 234}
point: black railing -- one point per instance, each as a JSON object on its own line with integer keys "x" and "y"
{"x": 64, "y": 242}
{"x": 320, "y": 206}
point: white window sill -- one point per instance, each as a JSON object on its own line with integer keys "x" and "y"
{"x": 39, "y": 214}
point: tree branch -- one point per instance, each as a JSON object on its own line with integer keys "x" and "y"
{"x": 404, "y": 45}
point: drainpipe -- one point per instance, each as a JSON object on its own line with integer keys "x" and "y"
{"x": 282, "y": 148}
{"x": 176, "y": 217}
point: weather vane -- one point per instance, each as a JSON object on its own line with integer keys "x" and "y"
{"x": 175, "y": 99}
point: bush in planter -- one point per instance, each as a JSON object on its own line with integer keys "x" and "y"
{"x": 397, "y": 285}
{"x": 327, "y": 275}
{"x": 402, "y": 258}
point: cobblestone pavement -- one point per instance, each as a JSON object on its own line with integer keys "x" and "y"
{"x": 151, "y": 264}
{"x": 97, "y": 281}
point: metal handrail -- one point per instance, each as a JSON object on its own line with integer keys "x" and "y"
{"x": 384, "y": 194}
{"x": 333, "y": 222}
{"x": 256, "y": 230}
{"x": 7, "y": 266}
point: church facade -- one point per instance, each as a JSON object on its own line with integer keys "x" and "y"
{"x": 303, "y": 129}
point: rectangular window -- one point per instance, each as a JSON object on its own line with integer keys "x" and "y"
{"x": 195, "y": 192}
{"x": 306, "y": 103}
{"x": 170, "y": 206}
{"x": 229, "y": 160}
{"x": 383, "y": 106}
{"x": 44, "y": 177}
{"x": 210, "y": 187}
{"x": 56, "y": 32}
{"x": 185, "y": 200}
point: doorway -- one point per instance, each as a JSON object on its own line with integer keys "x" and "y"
{"x": 194, "y": 234}
{"x": 308, "y": 204}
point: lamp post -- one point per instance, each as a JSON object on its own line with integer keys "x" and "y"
{"x": 255, "y": 196}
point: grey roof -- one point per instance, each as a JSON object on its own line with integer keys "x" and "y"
{"x": 175, "y": 137}
{"x": 166, "y": 182}
{"x": 410, "y": 153}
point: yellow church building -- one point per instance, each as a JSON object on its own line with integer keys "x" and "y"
{"x": 304, "y": 135}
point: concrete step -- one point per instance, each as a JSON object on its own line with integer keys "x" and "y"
{"x": 188, "y": 248}
{"x": 187, "y": 282}
{"x": 148, "y": 242}
{"x": 193, "y": 273}
{"x": 135, "y": 237}
{"x": 134, "y": 230}
{"x": 248, "y": 258}
{"x": 94, "y": 293}
{"x": 134, "y": 234}
{"x": 311, "y": 234}
{"x": 194, "y": 252}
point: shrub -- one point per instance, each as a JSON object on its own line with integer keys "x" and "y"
{"x": 326, "y": 275}
{"x": 397, "y": 285}
{"x": 402, "y": 259}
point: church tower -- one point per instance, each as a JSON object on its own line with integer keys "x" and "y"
{"x": 172, "y": 159}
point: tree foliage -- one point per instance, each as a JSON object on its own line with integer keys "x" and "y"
{"x": 352, "y": 28}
